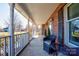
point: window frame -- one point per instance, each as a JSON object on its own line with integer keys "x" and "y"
{"x": 66, "y": 27}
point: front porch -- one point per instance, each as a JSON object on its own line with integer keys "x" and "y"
{"x": 43, "y": 21}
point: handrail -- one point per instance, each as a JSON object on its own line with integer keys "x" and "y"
{"x": 4, "y": 37}
{"x": 14, "y": 35}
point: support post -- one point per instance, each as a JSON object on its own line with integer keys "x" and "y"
{"x": 28, "y": 31}
{"x": 11, "y": 30}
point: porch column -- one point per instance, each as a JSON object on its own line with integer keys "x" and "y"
{"x": 28, "y": 31}
{"x": 11, "y": 30}
{"x": 32, "y": 30}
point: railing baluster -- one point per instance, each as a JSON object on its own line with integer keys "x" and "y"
{"x": 7, "y": 41}
{"x": 0, "y": 46}
{"x": 5, "y": 46}
{"x": 19, "y": 41}
{"x": 9, "y": 52}
{"x": 15, "y": 43}
{"x": 8, "y": 38}
{"x": 24, "y": 39}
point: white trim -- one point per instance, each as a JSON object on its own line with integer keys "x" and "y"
{"x": 66, "y": 28}
{"x": 73, "y": 19}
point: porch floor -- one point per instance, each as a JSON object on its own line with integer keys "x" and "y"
{"x": 35, "y": 48}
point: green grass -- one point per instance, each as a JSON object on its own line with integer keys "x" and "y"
{"x": 2, "y": 34}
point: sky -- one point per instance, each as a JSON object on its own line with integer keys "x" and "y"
{"x": 5, "y": 16}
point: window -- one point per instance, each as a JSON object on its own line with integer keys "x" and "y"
{"x": 74, "y": 31}
{"x": 73, "y": 20}
{"x": 73, "y": 11}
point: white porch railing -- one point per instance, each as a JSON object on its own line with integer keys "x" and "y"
{"x": 20, "y": 42}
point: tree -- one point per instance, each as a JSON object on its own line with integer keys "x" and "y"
{"x": 17, "y": 22}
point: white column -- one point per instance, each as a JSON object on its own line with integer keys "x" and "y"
{"x": 11, "y": 30}
{"x": 32, "y": 30}
{"x": 28, "y": 31}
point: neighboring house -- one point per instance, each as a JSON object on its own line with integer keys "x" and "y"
{"x": 6, "y": 29}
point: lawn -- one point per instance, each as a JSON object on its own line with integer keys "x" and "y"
{"x": 2, "y": 34}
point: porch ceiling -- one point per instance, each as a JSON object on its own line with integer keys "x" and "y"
{"x": 38, "y": 12}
